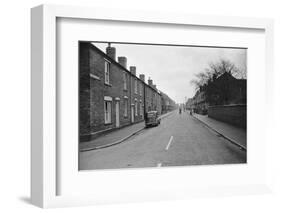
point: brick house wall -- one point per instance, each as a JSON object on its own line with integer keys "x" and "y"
{"x": 99, "y": 90}
{"x": 152, "y": 99}
{"x": 84, "y": 90}
{"x": 137, "y": 97}
{"x": 158, "y": 103}
{"x": 94, "y": 91}
{"x": 149, "y": 99}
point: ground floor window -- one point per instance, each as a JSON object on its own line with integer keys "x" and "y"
{"x": 141, "y": 110}
{"x": 125, "y": 107}
{"x": 136, "y": 108}
{"x": 107, "y": 112}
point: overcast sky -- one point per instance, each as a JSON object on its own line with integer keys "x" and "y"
{"x": 173, "y": 67}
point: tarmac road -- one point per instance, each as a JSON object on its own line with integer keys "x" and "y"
{"x": 179, "y": 140}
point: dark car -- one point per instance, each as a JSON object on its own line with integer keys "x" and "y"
{"x": 152, "y": 119}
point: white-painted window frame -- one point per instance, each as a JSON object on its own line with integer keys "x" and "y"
{"x": 106, "y": 72}
{"x": 126, "y": 106}
{"x": 107, "y": 111}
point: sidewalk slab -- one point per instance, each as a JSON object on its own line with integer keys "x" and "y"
{"x": 112, "y": 138}
{"x": 233, "y": 133}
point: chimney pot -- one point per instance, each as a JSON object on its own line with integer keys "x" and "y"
{"x": 133, "y": 70}
{"x": 150, "y": 82}
{"x": 111, "y": 52}
{"x": 123, "y": 61}
{"x": 142, "y": 77}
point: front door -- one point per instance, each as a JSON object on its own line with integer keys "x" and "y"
{"x": 132, "y": 114}
{"x": 117, "y": 114}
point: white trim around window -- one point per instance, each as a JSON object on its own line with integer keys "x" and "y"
{"x": 107, "y": 111}
{"x": 107, "y": 98}
{"x": 94, "y": 76}
{"x": 106, "y": 72}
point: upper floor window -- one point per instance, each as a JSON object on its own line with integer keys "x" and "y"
{"x": 136, "y": 86}
{"x": 125, "y": 107}
{"x": 141, "y": 109}
{"x": 106, "y": 72}
{"x": 125, "y": 80}
{"x": 140, "y": 88}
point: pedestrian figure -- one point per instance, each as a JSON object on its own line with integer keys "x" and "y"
{"x": 179, "y": 110}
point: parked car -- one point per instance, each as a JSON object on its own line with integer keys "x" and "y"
{"x": 152, "y": 119}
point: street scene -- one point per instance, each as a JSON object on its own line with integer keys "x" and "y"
{"x": 190, "y": 111}
{"x": 180, "y": 140}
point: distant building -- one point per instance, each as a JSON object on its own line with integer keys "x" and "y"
{"x": 111, "y": 95}
{"x": 199, "y": 103}
{"x": 189, "y": 103}
{"x": 225, "y": 90}
{"x": 167, "y": 103}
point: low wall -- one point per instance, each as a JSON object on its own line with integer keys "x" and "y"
{"x": 232, "y": 114}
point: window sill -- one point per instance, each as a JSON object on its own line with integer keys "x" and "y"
{"x": 106, "y": 124}
{"x": 95, "y": 77}
{"x": 109, "y": 85}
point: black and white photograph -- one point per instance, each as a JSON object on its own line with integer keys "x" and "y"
{"x": 161, "y": 105}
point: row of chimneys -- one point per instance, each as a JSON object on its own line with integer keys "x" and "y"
{"x": 111, "y": 52}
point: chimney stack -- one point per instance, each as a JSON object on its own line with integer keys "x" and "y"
{"x": 111, "y": 52}
{"x": 154, "y": 86}
{"x": 133, "y": 70}
{"x": 123, "y": 61}
{"x": 150, "y": 82}
{"x": 142, "y": 77}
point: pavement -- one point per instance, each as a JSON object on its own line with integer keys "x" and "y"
{"x": 179, "y": 140}
{"x": 115, "y": 137}
{"x": 234, "y": 134}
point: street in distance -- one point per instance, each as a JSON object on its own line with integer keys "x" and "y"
{"x": 158, "y": 105}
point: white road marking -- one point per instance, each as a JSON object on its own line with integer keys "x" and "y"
{"x": 170, "y": 141}
{"x": 159, "y": 164}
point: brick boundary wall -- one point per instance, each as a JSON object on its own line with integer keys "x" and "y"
{"x": 232, "y": 114}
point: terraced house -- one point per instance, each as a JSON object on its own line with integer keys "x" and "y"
{"x": 111, "y": 95}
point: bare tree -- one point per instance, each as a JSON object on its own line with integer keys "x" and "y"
{"x": 217, "y": 92}
{"x": 215, "y": 70}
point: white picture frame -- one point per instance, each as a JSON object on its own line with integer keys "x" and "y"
{"x": 44, "y": 155}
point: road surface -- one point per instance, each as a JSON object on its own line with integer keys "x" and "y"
{"x": 179, "y": 140}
